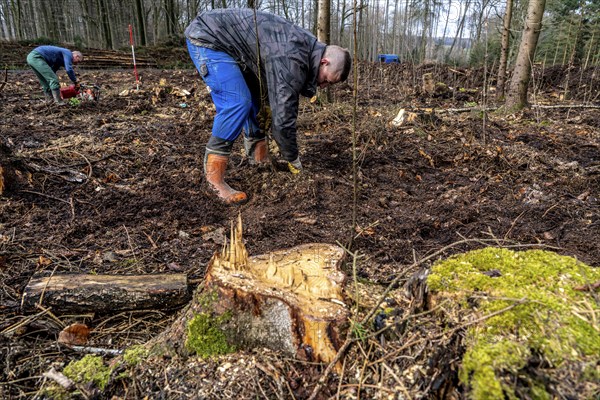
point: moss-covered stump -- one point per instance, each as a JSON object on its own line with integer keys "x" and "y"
{"x": 289, "y": 300}
{"x": 532, "y": 323}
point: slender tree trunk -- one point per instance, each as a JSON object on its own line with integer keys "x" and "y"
{"x": 426, "y": 21}
{"x": 315, "y": 17}
{"x": 404, "y": 39}
{"x": 459, "y": 31}
{"x": 361, "y": 46}
{"x": 445, "y": 31}
{"x": 3, "y": 20}
{"x": 504, "y": 52}
{"x": 394, "y": 30}
{"x": 105, "y": 24}
{"x": 17, "y": 15}
{"x": 517, "y": 95}
{"x": 324, "y": 28}
{"x": 573, "y": 56}
{"x": 141, "y": 23}
{"x": 591, "y": 46}
{"x": 386, "y": 22}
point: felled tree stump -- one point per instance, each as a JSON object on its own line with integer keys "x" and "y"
{"x": 288, "y": 300}
{"x": 432, "y": 88}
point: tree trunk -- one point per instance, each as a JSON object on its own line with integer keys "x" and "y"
{"x": 500, "y": 87}
{"x": 573, "y": 57}
{"x": 141, "y": 23}
{"x": 105, "y": 24}
{"x": 459, "y": 31}
{"x": 17, "y": 18}
{"x": 324, "y": 27}
{"x": 290, "y": 301}
{"x": 517, "y": 95}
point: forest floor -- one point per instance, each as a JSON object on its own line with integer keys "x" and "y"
{"x": 525, "y": 179}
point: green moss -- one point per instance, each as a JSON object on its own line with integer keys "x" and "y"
{"x": 205, "y": 336}
{"x": 56, "y": 392}
{"x": 89, "y": 369}
{"x": 545, "y": 323}
{"x": 135, "y": 354}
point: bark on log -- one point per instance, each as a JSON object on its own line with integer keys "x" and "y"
{"x": 289, "y": 300}
{"x": 106, "y": 293}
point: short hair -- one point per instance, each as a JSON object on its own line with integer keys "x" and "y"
{"x": 340, "y": 58}
{"x": 78, "y": 55}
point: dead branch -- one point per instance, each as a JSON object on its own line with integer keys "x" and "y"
{"x": 59, "y": 378}
{"x": 590, "y": 287}
{"x": 543, "y": 106}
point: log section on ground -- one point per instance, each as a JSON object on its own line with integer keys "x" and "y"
{"x": 106, "y": 293}
{"x": 289, "y": 300}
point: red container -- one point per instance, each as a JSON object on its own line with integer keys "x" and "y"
{"x": 68, "y": 92}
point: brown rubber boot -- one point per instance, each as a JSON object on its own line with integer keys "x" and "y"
{"x": 214, "y": 171}
{"x": 256, "y": 150}
{"x": 261, "y": 153}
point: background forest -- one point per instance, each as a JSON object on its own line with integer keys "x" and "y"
{"x": 450, "y": 31}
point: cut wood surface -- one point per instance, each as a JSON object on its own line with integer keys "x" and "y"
{"x": 288, "y": 300}
{"x": 106, "y": 293}
{"x": 95, "y": 59}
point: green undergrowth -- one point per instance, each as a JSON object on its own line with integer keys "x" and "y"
{"x": 530, "y": 315}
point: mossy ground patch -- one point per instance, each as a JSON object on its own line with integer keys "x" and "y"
{"x": 553, "y": 326}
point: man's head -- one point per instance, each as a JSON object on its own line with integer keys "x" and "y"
{"x": 334, "y": 67}
{"x": 77, "y": 57}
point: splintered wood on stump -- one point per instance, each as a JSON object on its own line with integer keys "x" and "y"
{"x": 106, "y": 293}
{"x": 289, "y": 300}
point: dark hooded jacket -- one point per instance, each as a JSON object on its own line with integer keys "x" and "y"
{"x": 289, "y": 60}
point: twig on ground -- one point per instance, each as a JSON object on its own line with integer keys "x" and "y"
{"x": 96, "y": 350}
{"x": 588, "y": 287}
{"x": 51, "y": 314}
{"x": 23, "y": 322}
{"x": 45, "y": 195}
{"x": 59, "y": 378}
{"x": 478, "y": 320}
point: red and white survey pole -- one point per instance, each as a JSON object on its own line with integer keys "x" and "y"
{"x": 137, "y": 81}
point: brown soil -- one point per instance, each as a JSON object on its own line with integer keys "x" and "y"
{"x": 525, "y": 179}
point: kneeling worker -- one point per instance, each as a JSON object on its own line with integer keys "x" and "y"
{"x": 46, "y": 60}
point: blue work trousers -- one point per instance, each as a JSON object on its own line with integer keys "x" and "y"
{"x": 236, "y": 106}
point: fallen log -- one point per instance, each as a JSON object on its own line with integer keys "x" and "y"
{"x": 105, "y": 293}
{"x": 289, "y": 300}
